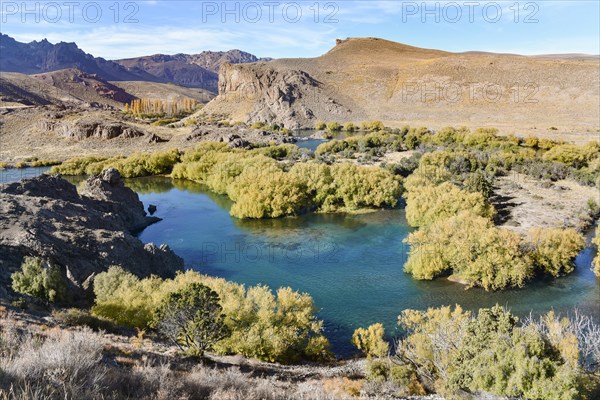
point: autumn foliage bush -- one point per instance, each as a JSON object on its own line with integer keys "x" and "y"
{"x": 262, "y": 188}
{"x": 278, "y": 326}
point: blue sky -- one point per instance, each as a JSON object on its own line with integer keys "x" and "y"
{"x": 283, "y": 28}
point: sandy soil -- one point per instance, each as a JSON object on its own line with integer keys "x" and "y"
{"x": 523, "y": 202}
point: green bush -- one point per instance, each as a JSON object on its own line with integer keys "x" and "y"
{"x": 428, "y": 204}
{"x": 478, "y": 183}
{"x": 321, "y": 125}
{"x": 334, "y": 127}
{"x": 454, "y": 351}
{"x": 278, "y": 327}
{"x": 553, "y": 250}
{"x": 192, "y": 318}
{"x": 573, "y": 155}
{"x": 257, "y": 125}
{"x": 470, "y": 248}
{"x": 261, "y": 188}
{"x": 136, "y": 165}
{"x": 350, "y": 127}
{"x": 371, "y": 341}
{"x": 109, "y": 282}
{"x": 76, "y": 165}
{"x": 370, "y": 126}
{"x": 164, "y": 122}
{"x": 377, "y": 370}
{"x": 41, "y": 280}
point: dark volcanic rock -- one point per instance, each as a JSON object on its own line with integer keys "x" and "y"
{"x": 83, "y": 233}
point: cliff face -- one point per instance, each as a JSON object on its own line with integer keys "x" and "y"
{"x": 82, "y": 233}
{"x": 259, "y": 93}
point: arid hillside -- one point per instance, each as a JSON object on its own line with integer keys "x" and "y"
{"x": 368, "y": 78}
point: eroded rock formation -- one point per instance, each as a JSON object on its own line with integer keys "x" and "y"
{"x": 84, "y": 233}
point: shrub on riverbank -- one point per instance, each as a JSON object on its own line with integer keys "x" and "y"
{"x": 136, "y": 165}
{"x": 261, "y": 188}
{"x": 553, "y": 250}
{"x": 278, "y": 326}
{"x": 470, "y": 248}
{"x": 476, "y": 253}
{"x": 371, "y": 341}
{"x": 430, "y": 203}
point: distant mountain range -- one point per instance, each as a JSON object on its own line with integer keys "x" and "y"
{"x": 190, "y": 70}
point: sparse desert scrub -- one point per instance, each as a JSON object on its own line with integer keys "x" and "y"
{"x": 62, "y": 365}
{"x": 80, "y": 364}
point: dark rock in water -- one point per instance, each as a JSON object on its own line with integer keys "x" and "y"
{"x": 151, "y": 209}
{"x": 82, "y": 233}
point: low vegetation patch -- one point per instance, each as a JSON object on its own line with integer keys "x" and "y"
{"x": 262, "y": 188}
{"x": 278, "y": 326}
{"x": 453, "y": 351}
{"x": 40, "y": 280}
{"x": 136, "y": 165}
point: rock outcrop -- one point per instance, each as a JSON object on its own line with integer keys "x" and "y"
{"x": 237, "y": 137}
{"x": 84, "y": 233}
{"x": 266, "y": 94}
{"x": 91, "y": 128}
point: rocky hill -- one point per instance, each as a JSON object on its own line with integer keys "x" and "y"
{"x": 39, "y": 57}
{"x": 368, "y": 78}
{"x": 86, "y": 87}
{"x": 191, "y": 70}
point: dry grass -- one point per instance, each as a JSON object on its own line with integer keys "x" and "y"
{"x": 42, "y": 363}
{"x": 532, "y": 203}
